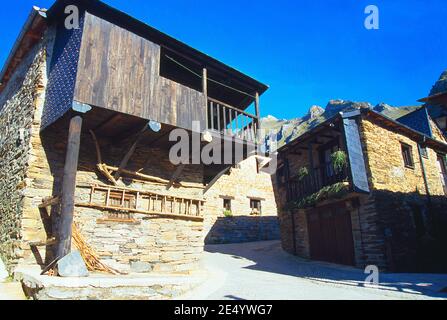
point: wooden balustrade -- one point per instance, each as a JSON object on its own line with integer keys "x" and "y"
{"x": 232, "y": 121}
{"x": 298, "y": 189}
{"x": 128, "y": 201}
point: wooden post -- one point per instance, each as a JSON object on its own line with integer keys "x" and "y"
{"x": 68, "y": 187}
{"x": 205, "y": 93}
{"x": 258, "y": 116}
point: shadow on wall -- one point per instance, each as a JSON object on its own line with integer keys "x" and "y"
{"x": 409, "y": 230}
{"x": 415, "y": 230}
{"x": 238, "y": 229}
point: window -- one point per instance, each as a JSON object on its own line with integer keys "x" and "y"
{"x": 255, "y": 206}
{"x": 407, "y": 154}
{"x": 424, "y": 151}
{"x": 227, "y": 204}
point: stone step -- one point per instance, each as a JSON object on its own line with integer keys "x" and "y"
{"x": 105, "y": 287}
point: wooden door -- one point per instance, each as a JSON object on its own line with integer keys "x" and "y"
{"x": 330, "y": 235}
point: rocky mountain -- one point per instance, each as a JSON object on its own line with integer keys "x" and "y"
{"x": 440, "y": 85}
{"x": 283, "y": 131}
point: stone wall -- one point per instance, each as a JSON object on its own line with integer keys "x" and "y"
{"x": 382, "y": 148}
{"x": 18, "y": 104}
{"x": 150, "y": 244}
{"x": 400, "y": 198}
{"x": 242, "y": 184}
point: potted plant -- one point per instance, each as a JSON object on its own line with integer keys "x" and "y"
{"x": 339, "y": 160}
{"x": 227, "y": 213}
{"x": 302, "y": 173}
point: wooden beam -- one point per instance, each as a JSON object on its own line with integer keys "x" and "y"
{"x": 50, "y": 201}
{"x": 146, "y": 177}
{"x": 98, "y": 149}
{"x": 107, "y": 122}
{"x": 48, "y": 242}
{"x": 258, "y": 114}
{"x": 129, "y": 154}
{"x": 155, "y": 213}
{"x": 175, "y": 176}
{"x": 68, "y": 187}
{"x": 205, "y": 93}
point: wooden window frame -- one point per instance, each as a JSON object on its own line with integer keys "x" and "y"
{"x": 407, "y": 158}
{"x": 252, "y": 200}
{"x": 224, "y": 206}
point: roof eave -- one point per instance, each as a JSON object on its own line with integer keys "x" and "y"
{"x": 35, "y": 14}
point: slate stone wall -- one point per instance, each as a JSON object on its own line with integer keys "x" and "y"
{"x": 240, "y": 185}
{"x": 18, "y": 102}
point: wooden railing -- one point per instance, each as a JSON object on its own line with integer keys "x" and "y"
{"x": 125, "y": 201}
{"x": 298, "y": 189}
{"x": 231, "y": 121}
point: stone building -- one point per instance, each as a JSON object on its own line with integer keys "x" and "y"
{"x": 362, "y": 189}
{"x": 86, "y": 116}
{"x": 241, "y": 206}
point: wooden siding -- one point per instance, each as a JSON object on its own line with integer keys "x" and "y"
{"x": 119, "y": 70}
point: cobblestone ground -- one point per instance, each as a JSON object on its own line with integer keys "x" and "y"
{"x": 262, "y": 270}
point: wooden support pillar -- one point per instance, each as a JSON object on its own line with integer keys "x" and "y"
{"x": 205, "y": 93}
{"x": 258, "y": 116}
{"x": 69, "y": 187}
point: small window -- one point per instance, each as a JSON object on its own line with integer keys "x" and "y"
{"x": 424, "y": 152}
{"x": 255, "y": 206}
{"x": 407, "y": 154}
{"x": 227, "y": 204}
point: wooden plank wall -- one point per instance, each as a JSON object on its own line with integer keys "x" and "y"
{"x": 119, "y": 70}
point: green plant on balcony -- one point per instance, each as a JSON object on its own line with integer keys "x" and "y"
{"x": 339, "y": 160}
{"x": 302, "y": 173}
{"x": 227, "y": 213}
{"x": 335, "y": 191}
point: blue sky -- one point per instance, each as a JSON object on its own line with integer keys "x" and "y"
{"x": 308, "y": 51}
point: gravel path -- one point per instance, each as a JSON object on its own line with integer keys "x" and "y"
{"x": 261, "y": 270}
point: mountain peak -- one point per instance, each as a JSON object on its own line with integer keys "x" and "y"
{"x": 315, "y": 111}
{"x": 339, "y": 105}
{"x": 440, "y": 85}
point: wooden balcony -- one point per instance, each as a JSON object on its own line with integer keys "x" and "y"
{"x": 231, "y": 121}
{"x": 318, "y": 178}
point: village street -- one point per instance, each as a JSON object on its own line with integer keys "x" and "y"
{"x": 263, "y": 271}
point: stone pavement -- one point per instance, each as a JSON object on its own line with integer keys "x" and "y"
{"x": 262, "y": 270}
